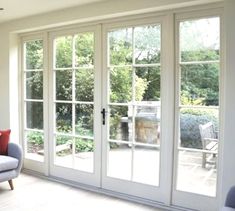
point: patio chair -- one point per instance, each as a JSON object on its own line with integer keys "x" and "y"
{"x": 209, "y": 140}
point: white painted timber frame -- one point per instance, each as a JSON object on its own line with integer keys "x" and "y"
{"x": 181, "y": 198}
{"x": 165, "y": 195}
{"x": 68, "y": 173}
{"x": 160, "y": 193}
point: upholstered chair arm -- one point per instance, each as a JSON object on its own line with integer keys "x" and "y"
{"x": 230, "y": 199}
{"x": 15, "y": 150}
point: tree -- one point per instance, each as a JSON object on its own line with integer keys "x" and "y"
{"x": 199, "y": 82}
{"x": 199, "y": 42}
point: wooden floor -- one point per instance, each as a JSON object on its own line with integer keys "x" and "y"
{"x": 36, "y": 194}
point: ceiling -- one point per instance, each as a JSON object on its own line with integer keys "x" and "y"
{"x": 14, "y": 9}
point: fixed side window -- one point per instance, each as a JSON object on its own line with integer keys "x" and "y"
{"x": 33, "y": 132}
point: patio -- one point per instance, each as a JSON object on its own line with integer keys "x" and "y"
{"x": 144, "y": 168}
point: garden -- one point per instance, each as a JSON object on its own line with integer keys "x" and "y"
{"x": 199, "y": 87}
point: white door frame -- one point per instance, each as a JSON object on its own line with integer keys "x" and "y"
{"x": 166, "y": 193}
{"x": 181, "y": 198}
{"x": 162, "y": 193}
{"x": 67, "y": 173}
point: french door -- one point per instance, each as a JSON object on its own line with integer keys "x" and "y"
{"x": 119, "y": 106}
{"x": 75, "y": 105}
{"x": 136, "y": 103}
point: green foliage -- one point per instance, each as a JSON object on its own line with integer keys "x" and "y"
{"x": 140, "y": 88}
{"x": 63, "y": 140}
{"x": 200, "y": 84}
{"x": 121, "y": 85}
{"x": 36, "y": 138}
{"x": 120, "y": 47}
{"x": 84, "y": 49}
{"x": 63, "y": 52}
{"x": 34, "y": 55}
{"x": 83, "y": 128}
{"x": 64, "y": 84}
{"x": 84, "y": 145}
{"x": 150, "y": 86}
{"x": 200, "y": 55}
{"x": 189, "y": 125}
{"x": 84, "y": 85}
{"x": 113, "y": 145}
{"x": 34, "y": 84}
{"x": 63, "y": 126}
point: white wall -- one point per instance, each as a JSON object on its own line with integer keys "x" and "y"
{"x": 4, "y": 80}
{"x": 8, "y": 60}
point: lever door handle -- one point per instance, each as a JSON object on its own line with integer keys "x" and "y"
{"x": 103, "y": 116}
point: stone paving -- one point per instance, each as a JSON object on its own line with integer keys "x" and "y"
{"x": 144, "y": 168}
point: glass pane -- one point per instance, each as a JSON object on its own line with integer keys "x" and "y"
{"x": 200, "y": 39}
{"x": 34, "y": 115}
{"x": 35, "y": 145}
{"x": 190, "y": 119}
{"x": 120, "y": 123}
{"x": 119, "y": 161}
{"x": 147, "y": 84}
{"x": 200, "y": 84}
{"x": 197, "y": 169}
{"x": 147, "y": 123}
{"x": 120, "y": 85}
{"x": 84, "y": 154}
{"x": 63, "y": 84}
{"x": 192, "y": 177}
{"x": 84, "y": 49}
{"x": 84, "y": 120}
{"x": 63, "y": 50}
{"x": 120, "y": 46}
{"x": 34, "y": 85}
{"x": 64, "y": 117}
{"x": 34, "y": 54}
{"x": 63, "y": 151}
{"x": 146, "y": 165}
{"x": 147, "y": 44}
{"x": 85, "y": 85}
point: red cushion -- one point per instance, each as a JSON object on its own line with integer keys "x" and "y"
{"x": 4, "y": 140}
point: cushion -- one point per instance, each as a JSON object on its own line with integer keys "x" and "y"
{"x": 7, "y": 163}
{"x": 4, "y": 140}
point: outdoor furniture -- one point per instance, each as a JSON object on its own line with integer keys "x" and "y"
{"x": 230, "y": 200}
{"x": 10, "y": 165}
{"x": 209, "y": 140}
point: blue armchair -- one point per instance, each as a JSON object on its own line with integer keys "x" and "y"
{"x": 11, "y": 164}
{"x": 230, "y": 200}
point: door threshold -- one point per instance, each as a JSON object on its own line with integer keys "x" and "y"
{"x": 106, "y": 192}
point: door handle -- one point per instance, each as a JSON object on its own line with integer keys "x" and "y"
{"x": 103, "y": 116}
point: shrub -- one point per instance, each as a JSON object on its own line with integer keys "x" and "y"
{"x": 82, "y": 145}
{"x": 189, "y": 125}
{"x": 35, "y": 138}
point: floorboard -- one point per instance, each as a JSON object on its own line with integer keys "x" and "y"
{"x": 35, "y": 194}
